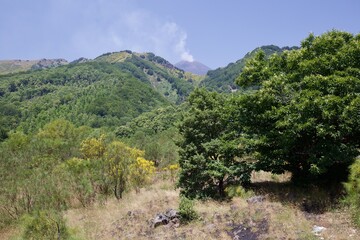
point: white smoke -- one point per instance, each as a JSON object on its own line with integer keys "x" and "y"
{"x": 181, "y": 48}
{"x": 120, "y": 25}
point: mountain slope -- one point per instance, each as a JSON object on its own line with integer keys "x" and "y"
{"x": 222, "y": 79}
{"x": 171, "y": 82}
{"x": 93, "y": 93}
{"x": 14, "y": 66}
{"x": 193, "y": 67}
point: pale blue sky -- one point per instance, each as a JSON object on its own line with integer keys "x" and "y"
{"x": 213, "y": 32}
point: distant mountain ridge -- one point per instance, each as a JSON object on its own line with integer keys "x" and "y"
{"x": 223, "y": 79}
{"x": 14, "y": 66}
{"x": 173, "y": 83}
{"x": 193, "y": 67}
{"x": 107, "y": 91}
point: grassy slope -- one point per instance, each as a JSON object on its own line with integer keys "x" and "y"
{"x": 13, "y": 66}
{"x": 284, "y": 220}
{"x": 274, "y": 218}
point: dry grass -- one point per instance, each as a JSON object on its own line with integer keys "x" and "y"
{"x": 126, "y": 218}
{"x": 13, "y": 66}
{"x": 274, "y": 218}
{"x": 261, "y": 176}
{"x": 270, "y": 219}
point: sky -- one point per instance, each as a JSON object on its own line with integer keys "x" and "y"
{"x": 213, "y": 32}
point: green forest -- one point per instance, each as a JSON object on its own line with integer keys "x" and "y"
{"x": 77, "y": 135}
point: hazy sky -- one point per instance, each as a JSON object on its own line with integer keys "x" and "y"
{"x": 213, "y": 32}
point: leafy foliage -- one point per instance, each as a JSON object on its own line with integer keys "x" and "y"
{"x": 352, "y": 187}
{"x": 62, "y": 166}
{"x": 45, "y": 225}
{"x": 151, "y": 123}
{"x": 304, "y": 117}
{"x": 141, "y": 172}
{"x": 120, "y": 158}
{"x": 186, "y": 210}
{"x": 30, "y": 176}
{"x": 156, "y": 133}
{"x": 210, "y": 156}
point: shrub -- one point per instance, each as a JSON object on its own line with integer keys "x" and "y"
{"x": 45, "y": 225}
{"x": 186, "y": 209}
{"x": 238, "y": 191}
{"x": 352, "y": 187}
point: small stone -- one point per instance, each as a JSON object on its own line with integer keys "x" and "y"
{"x": 317, "y": 230}
{"x": 172, "y": 213}
{"x": 160, "y": 219}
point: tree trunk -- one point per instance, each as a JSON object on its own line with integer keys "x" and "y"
{"x": 221, "y": 188}
{"x": 117, "y": 190}
{"x": 119, "y": 187}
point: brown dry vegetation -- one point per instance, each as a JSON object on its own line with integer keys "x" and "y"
{"x": 279, "y": 216}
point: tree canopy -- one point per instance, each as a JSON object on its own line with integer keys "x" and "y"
{"x": 210, "y": 157}
{"x": 305, "y": 116}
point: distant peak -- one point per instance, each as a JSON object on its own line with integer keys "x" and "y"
{"x": 194, "y": 67}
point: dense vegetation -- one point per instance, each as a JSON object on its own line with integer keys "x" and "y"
{"x": 93, "y": 94}
{"x": 156, "y": 133}
{"x": 72, "y": 135}
{"x": 210, "y": 157}
{"x": 169, "y": 81}
{"x": 63, "y": 166}
{"x": 304, "y": 118}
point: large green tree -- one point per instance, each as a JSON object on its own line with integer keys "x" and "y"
{"x": 305, "y": 117}
{"x": 210, "y": 158}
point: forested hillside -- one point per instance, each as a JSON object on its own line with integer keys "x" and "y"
{"x": 93, "y": 94}
{"x": 171, "y": 82}
{"x": 223, "y": 79}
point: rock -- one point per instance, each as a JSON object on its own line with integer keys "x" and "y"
{"x": 172, "y": 213}
{"x": 249, "y": 231}
{"x": 317, "y": 230}
{"x": 171, "y": 218}
{"x": 159, "y": 220}
{"x": 175, "y": 222}
{"x": 256, "y": 199}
